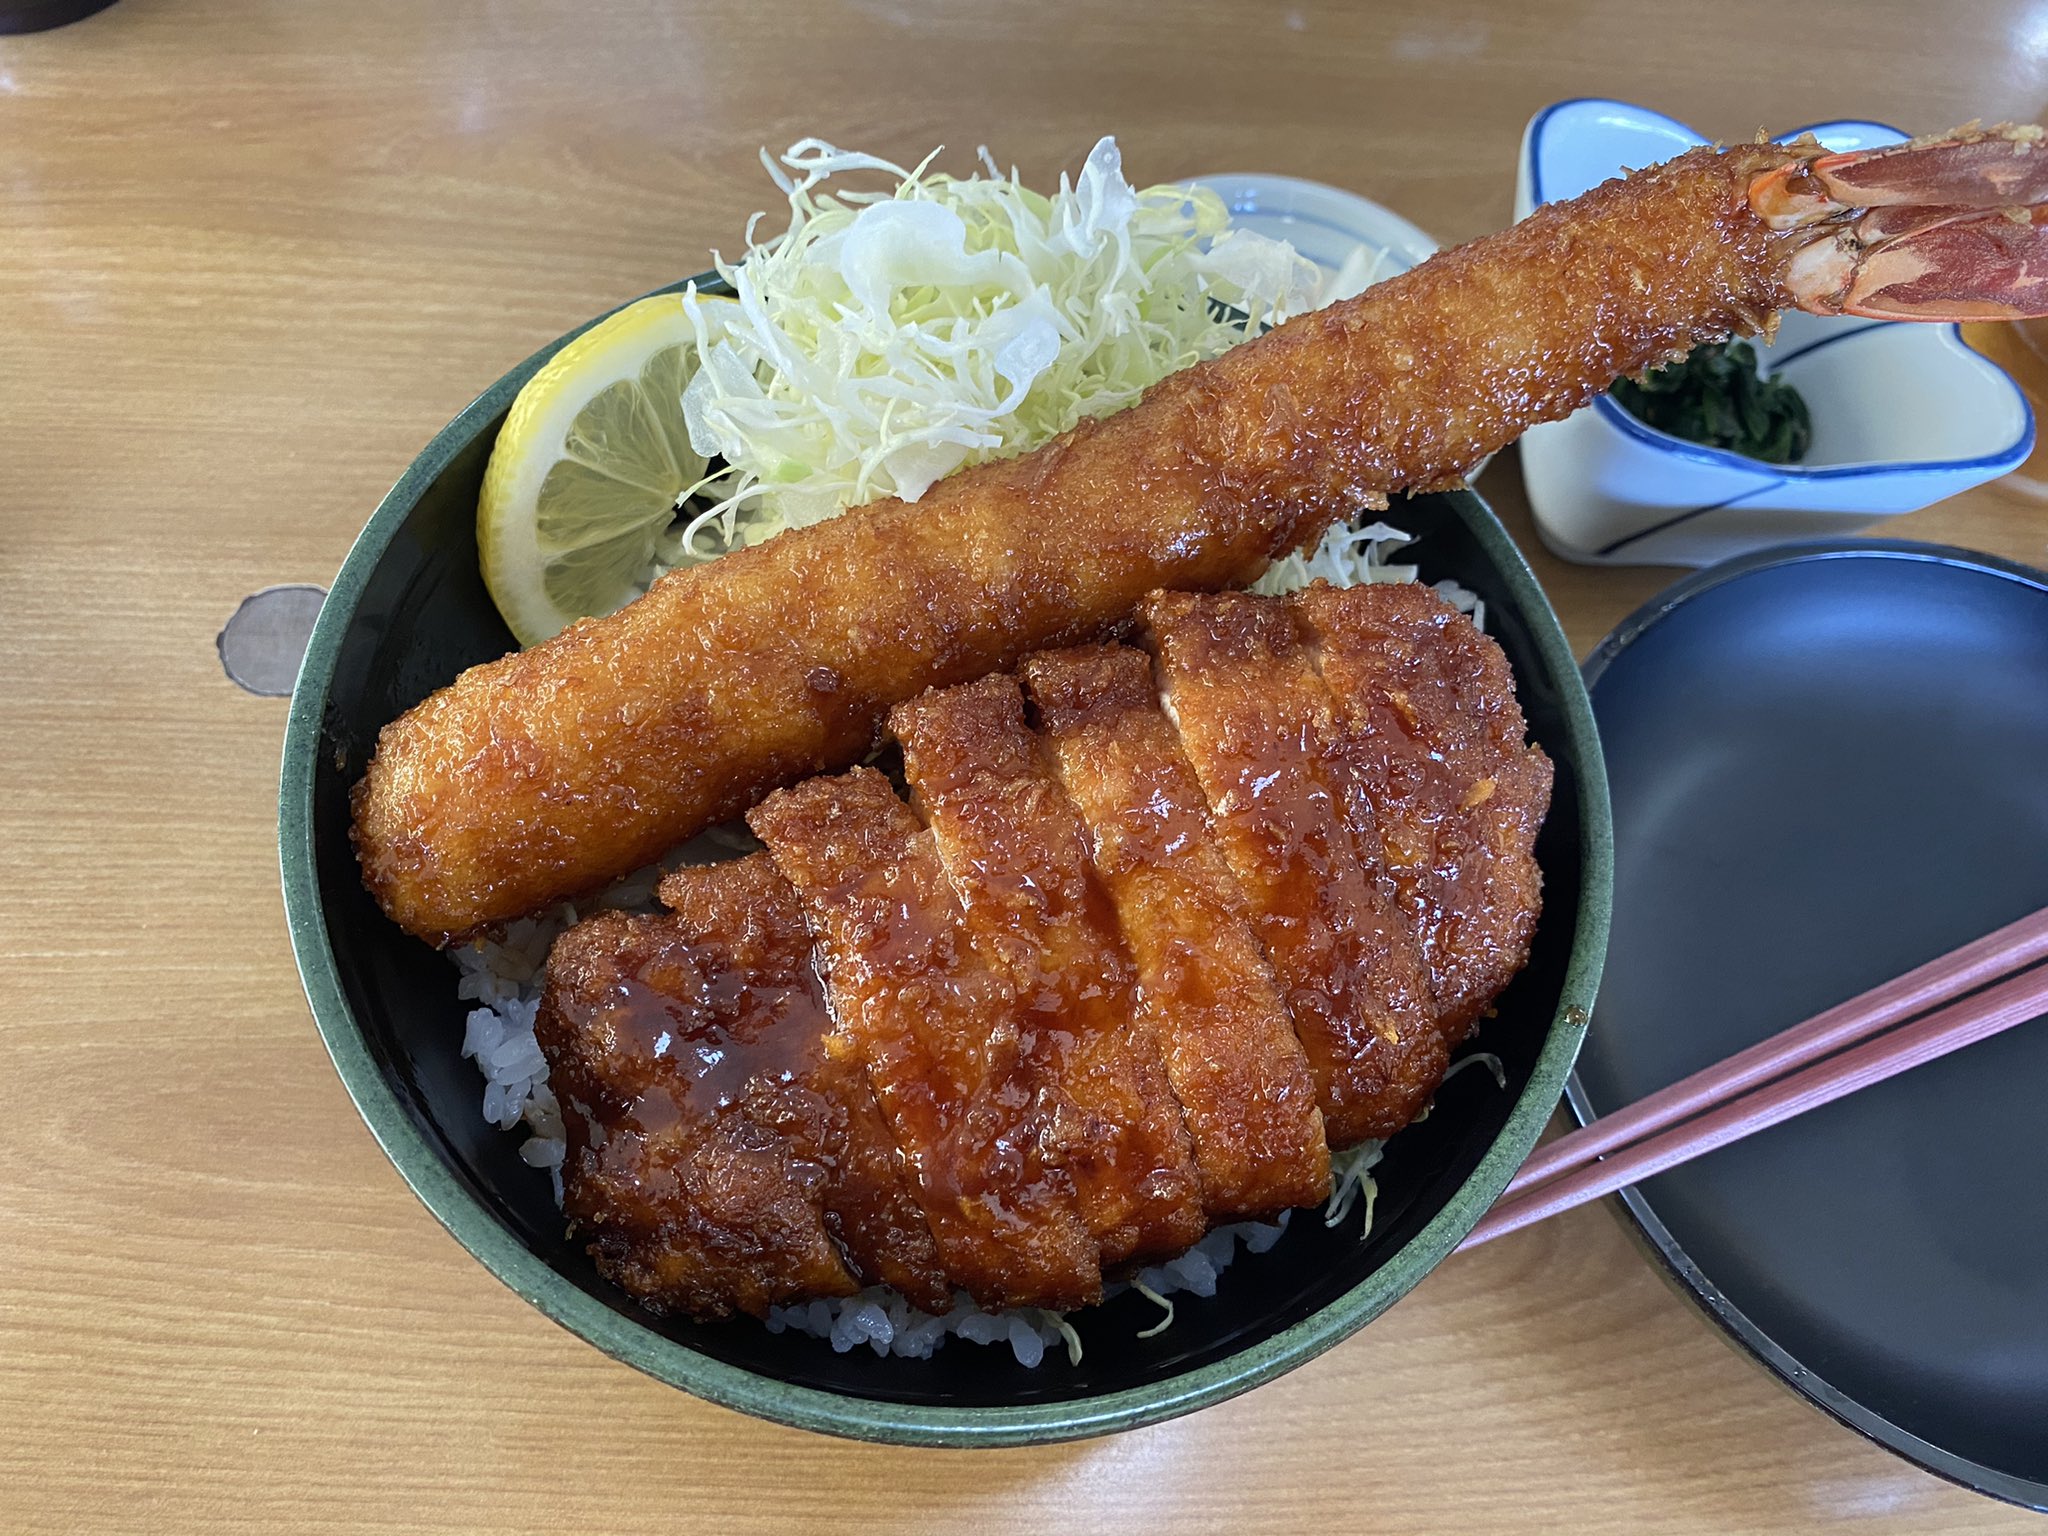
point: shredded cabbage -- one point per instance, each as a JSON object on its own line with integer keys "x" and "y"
{"x": 1158, "y": 1300}
{"x": 1487, "y": 1059}
{"x": 1351, "y": 556}
{"x": 887, "y": 338}
{"x": 1350, "y": 1177}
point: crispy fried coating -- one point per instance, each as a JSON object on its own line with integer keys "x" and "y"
{"x": 701, "y": 1141}
{"x": 959, "y": 1075}
{"x": 1142, "y": 969}
{"x": 1453, "y": 794}
{"x": 1018, "y": 857}
{"x": 871, "y": 1209}
{"x": 550, "y": 772}
{"x": 1255, "y": 720}
{"x": 1228, "y": 1042}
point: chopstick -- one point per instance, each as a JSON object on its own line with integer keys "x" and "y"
{"x": 1716, "y": 1106}
{"x": 1998, "y": 953}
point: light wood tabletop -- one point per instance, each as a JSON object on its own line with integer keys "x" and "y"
{"x": 253, "y": 253}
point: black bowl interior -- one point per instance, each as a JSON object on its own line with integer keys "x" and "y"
{"x": 424, "y": 615}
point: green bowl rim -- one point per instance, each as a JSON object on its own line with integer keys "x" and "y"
{"x": 477, "y": 1230}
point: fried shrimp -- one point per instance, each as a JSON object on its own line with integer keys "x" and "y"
{"x": 547, "y": 773}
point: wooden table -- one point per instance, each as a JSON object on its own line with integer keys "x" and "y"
{"x": 252, "y": 254}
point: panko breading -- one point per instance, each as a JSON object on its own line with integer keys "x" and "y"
{"x": 1110, "y": 976}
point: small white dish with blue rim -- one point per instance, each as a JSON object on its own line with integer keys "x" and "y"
{"x": 1903, "y": 414}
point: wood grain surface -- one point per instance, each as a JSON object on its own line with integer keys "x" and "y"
{"x": 252, "y": 254}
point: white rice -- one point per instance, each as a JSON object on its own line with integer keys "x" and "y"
{"x": 503, "y": 977}
{"x": 882, "y": 1320}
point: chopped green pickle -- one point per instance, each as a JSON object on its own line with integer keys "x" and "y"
{"x": 1715, "y": 395}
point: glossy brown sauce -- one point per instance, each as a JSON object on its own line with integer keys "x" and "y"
{"x": 1445, "y": 786}
{"x": 700, "y": 1149}
{"x": 870, "y": 1207}
{"x": 1255, "y": 720}
{"x": 1019, "y": 862}
{"x": 957, "y": 1070}
{"x": 1139, "y": 973}
{"x": 1228, "y": 1046}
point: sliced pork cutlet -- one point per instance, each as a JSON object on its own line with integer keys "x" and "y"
{"x": 1228, "y": 1044}
{"x": 870, "y": 1207}
{"x": 1428, "y": 718}
{"x": 938, "y": 1031}
{"x": 1017, "y": 854}
{"x": 1255, "y": 720}
{"x": 696, "y": 1129}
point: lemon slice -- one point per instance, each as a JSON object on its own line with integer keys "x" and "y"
{"x": 584, "y": 478}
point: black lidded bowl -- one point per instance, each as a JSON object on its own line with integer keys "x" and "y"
{"x": 408, "y": 611}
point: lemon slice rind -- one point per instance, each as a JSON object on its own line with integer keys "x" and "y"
{"x": 585, "y": 472}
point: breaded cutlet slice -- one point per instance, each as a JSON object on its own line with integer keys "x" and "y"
{"x": 1017, "y": 854}
{"x": 694, "y": 1121}
{"x": 1227, "y": 1042}
{"x": 1256, "y": 723}
{"x": 938, "y": 1032}
{"x": 1428, "y": 718}
{"x": 870, "y": 1208}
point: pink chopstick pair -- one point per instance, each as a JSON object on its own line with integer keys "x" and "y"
{"x": 1976, "y": 991}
